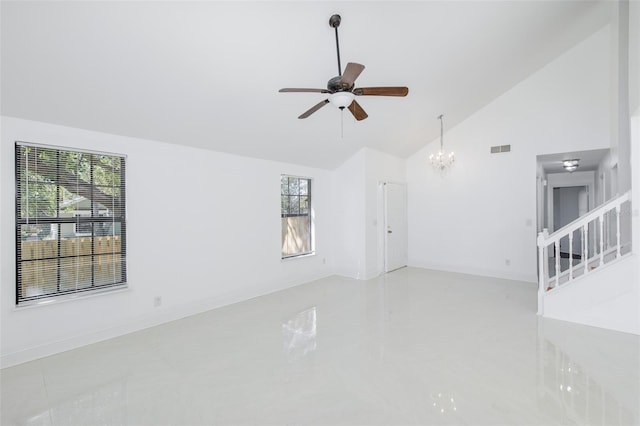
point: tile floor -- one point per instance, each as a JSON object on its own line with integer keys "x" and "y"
{"x": 410, "y": 347}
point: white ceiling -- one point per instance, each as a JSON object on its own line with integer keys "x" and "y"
{"x": 207, "y": 74}
{"x": 588, "y": 160}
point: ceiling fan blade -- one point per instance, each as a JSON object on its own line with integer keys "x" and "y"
{"x": 351, "y": 72}
{"x": 314, "y": 108}
{"x": 288, "y": 89}
{"x": 357, "y": 111}
{"x": 381, "y": 91}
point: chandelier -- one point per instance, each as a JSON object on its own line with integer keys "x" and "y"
{"x": 442, "y": 160}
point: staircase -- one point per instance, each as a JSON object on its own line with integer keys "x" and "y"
{"x": 585, "y": 246}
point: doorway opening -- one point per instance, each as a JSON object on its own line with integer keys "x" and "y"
{"x": 569, "y": 203}
{"x": 564, "y": 196}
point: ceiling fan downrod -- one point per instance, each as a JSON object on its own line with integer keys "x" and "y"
{"x": 334, "y": 22}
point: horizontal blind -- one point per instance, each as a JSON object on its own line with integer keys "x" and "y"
{"x": 70, "y": 222}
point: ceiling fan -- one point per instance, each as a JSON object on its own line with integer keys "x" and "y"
{"x": 341, "y": 89}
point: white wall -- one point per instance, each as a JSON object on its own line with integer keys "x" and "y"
{"x": 606, "y": 298}
{"x": 603, "y": 190}
{"x": 358, "y": 211}
{"x": 196, "y": 219}
{"x": 480, "y": 217}
{"x": 634, "y": 59}
{"x": 634, "y": 108}
{"x": 541, "y": 198}
{"x": 620, "y": 110}
{"x": 349, "y": 201}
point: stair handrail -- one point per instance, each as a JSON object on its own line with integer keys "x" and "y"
{"x": 545, "y": 239}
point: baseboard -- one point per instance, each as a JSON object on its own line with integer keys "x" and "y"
{"x": 513, "y": 276}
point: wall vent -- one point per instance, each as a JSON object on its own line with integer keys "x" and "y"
{"x": 500, "y": 148}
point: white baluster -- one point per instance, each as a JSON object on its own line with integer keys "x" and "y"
{"x": 618, "y": 231}
{"x": 542, "y": 278}
{"x": 570, "y": 256}
{"x": 585, "y": 247}
{"x": 601, "y": 220}
{"x": 557, "y": 248}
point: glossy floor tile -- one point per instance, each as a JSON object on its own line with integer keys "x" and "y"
{"x": 410, "y": 347}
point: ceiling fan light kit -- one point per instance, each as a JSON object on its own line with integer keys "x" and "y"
{"x": 342, "y": 90}
{"x": 341, "y": 99}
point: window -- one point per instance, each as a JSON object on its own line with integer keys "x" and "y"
{"x": 70, "y": 222}
{"x": 295, "y": 207}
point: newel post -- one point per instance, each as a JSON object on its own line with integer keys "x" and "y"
{"x": 542, "y": 268}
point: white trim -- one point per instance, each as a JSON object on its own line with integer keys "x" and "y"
{"x": 68, "y": 148}
{"x": 530, "y": 278}
{"x": 63, "y": 298}
{"x": 298, "y": 256}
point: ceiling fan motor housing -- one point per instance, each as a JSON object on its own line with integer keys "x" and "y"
{"x": 334, "y": 85}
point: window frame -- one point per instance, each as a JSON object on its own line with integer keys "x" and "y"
{"x": 95, "y": 218}
{"x": 309, "y": 214}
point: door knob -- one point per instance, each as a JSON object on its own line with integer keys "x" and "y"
{"x": 389, "y": 231}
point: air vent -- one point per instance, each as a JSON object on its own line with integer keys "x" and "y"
{"x": 500, "y": 148}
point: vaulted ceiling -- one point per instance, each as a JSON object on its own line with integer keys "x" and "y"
{"x": 207, "y": 74}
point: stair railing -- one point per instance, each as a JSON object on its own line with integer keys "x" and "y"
{"x": 595, "y": 225}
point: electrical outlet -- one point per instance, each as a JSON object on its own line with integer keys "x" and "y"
{"x": 157, "y": 301}
{"x": 507, "y": 262}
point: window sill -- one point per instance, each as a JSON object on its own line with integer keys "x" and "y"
{"x": 286, "y": 259}
{"x": 69, "y": 297}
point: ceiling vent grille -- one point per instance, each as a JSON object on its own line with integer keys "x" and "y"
{"x": 500, "y": 148}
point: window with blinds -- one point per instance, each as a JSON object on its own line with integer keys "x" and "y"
{"x": 295, "y": 211}
{"x": 70, "y": 222}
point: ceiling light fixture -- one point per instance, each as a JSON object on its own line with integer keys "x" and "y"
{"x": 442, "y": 160}
{"x": 341, "y": 99}
{"x": 570, "y": 165}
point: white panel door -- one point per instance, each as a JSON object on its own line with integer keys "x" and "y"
{"x": 395, "y": 226}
